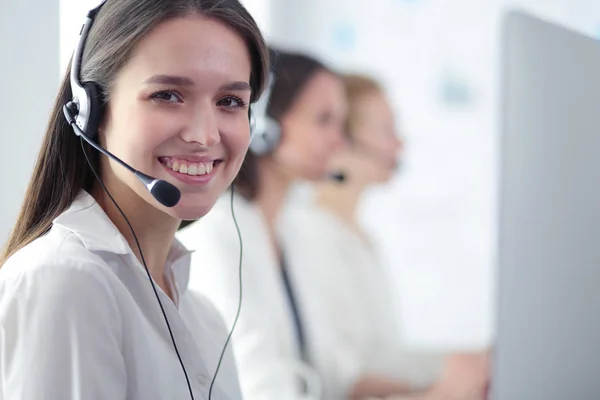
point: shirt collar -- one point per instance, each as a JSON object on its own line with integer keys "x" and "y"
{"x": 86, "y": 219}
{"x": 179, "y": 260}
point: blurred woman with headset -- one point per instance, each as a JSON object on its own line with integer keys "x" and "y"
{"x": 305, "y": 110}
{"x": 94, "y": 302}
{"x": 346, "y": 288}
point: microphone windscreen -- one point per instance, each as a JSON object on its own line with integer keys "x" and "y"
{"x": 165, "y": 193}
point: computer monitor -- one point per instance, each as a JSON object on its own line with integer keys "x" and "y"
{"x": 548, "y": 325}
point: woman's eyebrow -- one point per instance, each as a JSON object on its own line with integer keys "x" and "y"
{"x": 185, "y": 81}
{"x": 236, "y": 86}
{"x": 170, "y": 80}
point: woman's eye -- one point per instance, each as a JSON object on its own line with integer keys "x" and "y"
{"x": 231, "y": 102}
{"x": 167, "y": 96}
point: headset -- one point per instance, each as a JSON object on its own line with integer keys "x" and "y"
{"x": 84, "y": 114}
{"x": 266, "y": 131}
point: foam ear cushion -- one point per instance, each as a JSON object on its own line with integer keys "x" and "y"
{"x": 266, "y": 141}
{"x": 94, "y": 93}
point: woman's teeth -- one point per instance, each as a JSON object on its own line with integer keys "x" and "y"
{"x": 189, "y": 168}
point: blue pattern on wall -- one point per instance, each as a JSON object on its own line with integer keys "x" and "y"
{"x": 455, "y": 90}
{"x": 343, "y": 36}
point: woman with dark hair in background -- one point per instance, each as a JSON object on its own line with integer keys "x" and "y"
{"x": 347, "y": 289}
{"x": 306, "y": 110}
{"x": 93, "y": 287}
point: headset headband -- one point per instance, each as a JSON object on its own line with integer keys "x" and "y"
{"x": 80, "y": 96}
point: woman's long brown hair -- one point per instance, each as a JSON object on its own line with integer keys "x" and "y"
{"x": 61, "y": 170}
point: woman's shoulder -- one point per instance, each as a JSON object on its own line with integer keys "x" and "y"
{"x": 53, "y": 262}
{"x": 54, "y": 294}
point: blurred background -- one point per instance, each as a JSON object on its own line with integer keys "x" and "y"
{"x": 439, "y": 60}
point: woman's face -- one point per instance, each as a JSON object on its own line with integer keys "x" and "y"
{"x": 178, "y": 111}
{"x": 374, "y": 142}
{"x": 312, "y": 129}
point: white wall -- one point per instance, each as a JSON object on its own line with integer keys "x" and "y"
{"x": 261, "y": 12}
{"x": 28, "y": 71}
{"x": 435, "y": 222}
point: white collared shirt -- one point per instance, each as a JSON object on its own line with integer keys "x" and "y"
{"x": 79, "y": 320}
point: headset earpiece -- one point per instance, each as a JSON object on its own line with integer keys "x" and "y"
{"x": 96, "y": 110}
{"x": 265, "y": 140}
{"x": 265, "y": 131}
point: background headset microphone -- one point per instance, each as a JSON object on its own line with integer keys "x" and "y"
{"x": 370, "y": 152}
{"x": 84, "y": 114}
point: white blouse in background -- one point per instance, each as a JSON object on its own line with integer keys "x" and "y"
{"x": 265, "y": 343}
{"x": 79, "y": 320}
{"x": 349, "y": 305}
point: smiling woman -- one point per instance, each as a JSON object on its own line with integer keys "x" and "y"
{"x": 189, "y": 100}
{"x": 169, "y": 86}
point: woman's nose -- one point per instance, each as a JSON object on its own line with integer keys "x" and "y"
{"x": 203, "y": 129}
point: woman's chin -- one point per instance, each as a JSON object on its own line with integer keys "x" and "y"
{"x": 189, "y": 214}
{"x": 191, "y": 209}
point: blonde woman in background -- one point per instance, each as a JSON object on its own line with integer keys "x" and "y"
{"x": 358, "y": 351}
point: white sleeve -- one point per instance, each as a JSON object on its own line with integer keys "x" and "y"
{"x": 59, "y": 336}
{"x": 215, "y": 273}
